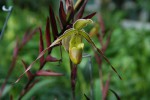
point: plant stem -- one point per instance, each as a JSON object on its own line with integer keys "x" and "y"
{"x": 26, "y": 88}
{"x": 73, "y": 79}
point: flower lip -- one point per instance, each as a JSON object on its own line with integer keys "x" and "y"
{"x": 75, "y": 53}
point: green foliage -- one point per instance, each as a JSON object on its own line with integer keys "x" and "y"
{"x": 128, "y": 51}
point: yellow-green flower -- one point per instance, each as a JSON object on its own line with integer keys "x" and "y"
{"x": 72, "y": 40}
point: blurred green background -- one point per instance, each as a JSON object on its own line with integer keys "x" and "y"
{"x": 128, "y": 51}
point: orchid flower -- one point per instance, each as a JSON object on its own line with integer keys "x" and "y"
{"x": 72, "y": 41}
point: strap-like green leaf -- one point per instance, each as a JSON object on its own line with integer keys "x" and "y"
{"x": 80, "y": 23}
{"x": 86, "y": 36}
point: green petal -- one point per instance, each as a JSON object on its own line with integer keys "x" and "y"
{"x": 87, "y": 37}
{"x": 67, "y": 33}
{"x": 80, "y": 23}
{"x": 75, "y": 40}
{"x": 65, "y": 42}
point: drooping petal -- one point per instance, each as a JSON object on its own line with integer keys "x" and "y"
{"x": 87, "y": 37}
{"x": 65, "y": 42}
{"x": 80, "y": 23}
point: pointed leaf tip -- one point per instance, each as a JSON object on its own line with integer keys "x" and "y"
{"x": 48, "y": 73}
{"x": 29, "y": 74}
{"x": 62, "y": 14}
{"x": 41, "y": 46}
{"x": 51, "y": 59}
{"x": 47, "y": 35}
{"x": 89, "y": 16}
{"x": 53, "y": 23}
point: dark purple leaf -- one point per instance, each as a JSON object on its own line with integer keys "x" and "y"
{"x": 117, "y": 96}
{"x": 53, "y": 23}
{"x": 47, "y": 73}
{"x": 29, "y": 74}
{"x": 49, "y": 58}
{"x": 62, "y": 14}
{"x": 41, "y": 47}
{"x": 81, "y": 10}
{"x": 89, "y": 16}
{"x": 47, "y": 35}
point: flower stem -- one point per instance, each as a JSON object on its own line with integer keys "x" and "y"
{"x": 73, "y": 79}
